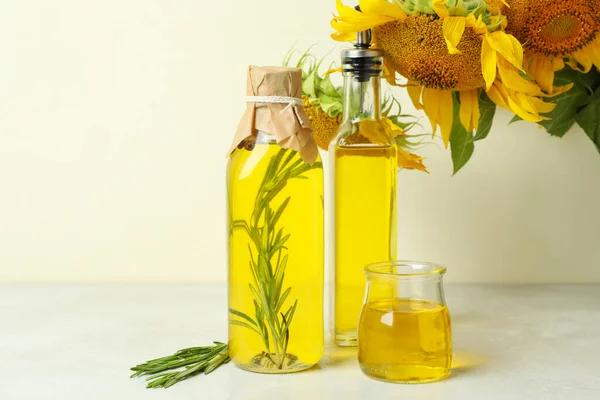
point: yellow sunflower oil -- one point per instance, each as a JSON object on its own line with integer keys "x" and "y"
{"x": 364, "y": 169}
{"x": 365, "y": 226}
{"x": 405, "y": 340}
{"x": 268, "y": 282}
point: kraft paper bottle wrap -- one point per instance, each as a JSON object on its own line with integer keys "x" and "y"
{"x": 292, "y": 128}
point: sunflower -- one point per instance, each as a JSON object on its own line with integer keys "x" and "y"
{"x": 324, "y": 125}
{"x": 323, "y": 104}
{"x": 446, "y": 47}
{"x": 405, "y": 144}
{"x": 555, "y": 33}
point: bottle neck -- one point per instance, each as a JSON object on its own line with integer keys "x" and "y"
{"x": 362, "y": 100}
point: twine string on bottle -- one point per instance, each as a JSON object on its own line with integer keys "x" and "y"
{"x": 293, "y": 102}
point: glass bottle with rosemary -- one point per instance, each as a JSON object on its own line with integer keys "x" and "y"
{"x": 275, "y": 196}
{"x": 364, "y": 169}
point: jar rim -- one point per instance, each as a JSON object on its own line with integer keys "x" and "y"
{"x": 404, "y": 268}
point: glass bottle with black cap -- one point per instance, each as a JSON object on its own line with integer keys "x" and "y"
{"x": 363, "y": 175}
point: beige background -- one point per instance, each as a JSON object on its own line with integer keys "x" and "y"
{"x": 115, "y": 117}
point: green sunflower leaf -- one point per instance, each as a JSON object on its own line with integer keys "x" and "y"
{"x": 487, "y": 109}
{"x": 461, "y": 142}
{"x": 567, "y": 104}
{"x": 331, "y": 105}
{"x": 328, "y": 88}
{"x": 310, "y": 84}
{"x": 589, "y": 120}
{"x": 591, "y": 80}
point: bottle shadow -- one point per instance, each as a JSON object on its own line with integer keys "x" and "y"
{"x": 465, "y": 362}
{"x": 336, "y": 356}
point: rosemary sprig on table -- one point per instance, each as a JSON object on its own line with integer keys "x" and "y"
{"x": 270, "y": 323}
{"x": 269, "y": 259}
{"x": 187, "y": 363}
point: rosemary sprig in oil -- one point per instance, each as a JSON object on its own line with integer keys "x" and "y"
{"x": 166, "y": 371}
{"x": 269, "y": 258}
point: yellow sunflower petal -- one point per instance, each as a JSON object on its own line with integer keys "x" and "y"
{"x": 333, "y": 71}
{"x": 381, "y": 7}
{"x": 439, "y": 6}
{"x": 477, "y": 24}
{"x": 371, "y": 129}
{"x": 541, "y": 106}
{"x": 512, "y": 79}
{"x": 431, "y": 107}
{"x": 533, "y": 105}
{"x": 571, "y": 62}
{"x": 515, "y": 107}
{"x": 517, "y": 50}
{"x": 389, "y": 72}
{"x": 343, "y": 37}
{"x": 347, "y": 27}
{"x": 559, "y": 63}
{"x": 348, "y": 13}
{"x": 584, "y": 58}
{"x": 453, "y": 28}
{"x": 520, "y": 105}
{"x": 556, "y": 90}
{"x": 595, "y": 48}
{"x": 438, "y": 105}
{"x": 503, "y": 44}
{"x": 350, "y": 20}
{"x": 392, "y": 129}
{"x": 495, "y": 6}
{"x": 410, "y": 161}
{"x": 523, "y": 101}
{"x": 526, "y": 107}
{"x": 499, "y": 21}
{"x": 497, "y": 96}
{"x": 543, "y": 72}
{"x": 469, "y": 109}
{"x": 489, "y": 60}
{"x": 560, "y": 90}
{"x": 414, "y": 91}
{"x": 446, "y": 115}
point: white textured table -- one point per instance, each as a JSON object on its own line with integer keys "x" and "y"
{"x": 77, "y": 342}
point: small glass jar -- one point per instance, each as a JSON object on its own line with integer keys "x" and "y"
{"x": 404, "y": 332}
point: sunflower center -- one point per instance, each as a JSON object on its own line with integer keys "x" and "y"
{"x": 415, "y": 47}
{"x": 554, "y": 28}
{"x": 563, "y": 27}
{"x": 324, "y": 127}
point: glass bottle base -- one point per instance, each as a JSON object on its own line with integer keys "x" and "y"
{"x": 346, "y": 339}
{"x": 409, "y": 374}
{"x": 267, "y": 364}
